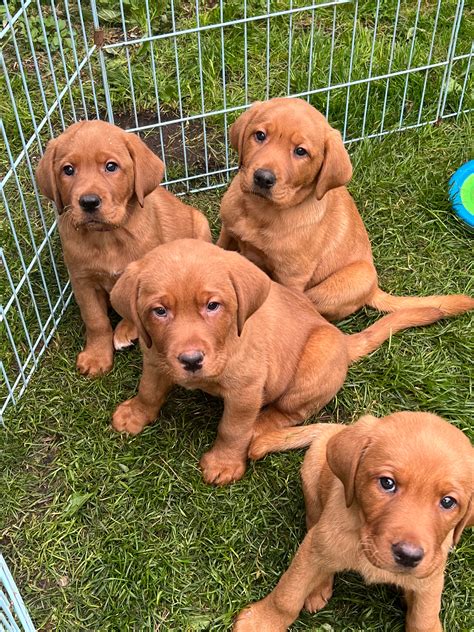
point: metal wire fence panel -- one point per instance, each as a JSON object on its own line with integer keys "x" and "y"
{"x": 13, "y": 614}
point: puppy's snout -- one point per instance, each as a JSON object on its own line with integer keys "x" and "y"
{"x": 407, "y": 554}
{"x": 264, "y": 178}
{"x": 89, "y": 202}
{"x": 191, "y": 360}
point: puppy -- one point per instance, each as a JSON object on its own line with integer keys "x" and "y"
{"x": 288, "y": 211}
{"x": 105, "y": 185}
{"x": 385, "y": 497}
{"x": 210, "y": 319}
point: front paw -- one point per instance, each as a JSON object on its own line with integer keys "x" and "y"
{"x": 125, "y": 334}
{"x": 219, "y": 470}
{"x": 94, "y": 362}
{"x": 319, "y": 597}
{"x": 256, "y": 618}
{"x": 131, "y": 417}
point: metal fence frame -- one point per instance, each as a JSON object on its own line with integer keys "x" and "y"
{"x": 82, "y": 89}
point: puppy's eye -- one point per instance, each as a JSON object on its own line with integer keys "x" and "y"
{"x": 68, "y": 170}
{"x": 160, "y": 311}
{"x": 111, "y": 166}
{"x": 213, "y": 306}
{"x": 448, "y": 502}
{"x": 300, "y": 151}
{"x": 260, "y": 136}
{"x": 387, "y": 484}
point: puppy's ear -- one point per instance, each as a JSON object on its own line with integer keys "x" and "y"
{"x": 251, "y": 287}
{"x": 148, "y": 168}
{"x": 336, "y": 169}
{"x": 345, "y": 450}
{"x": 46, "y": 175}
{"x": 237, "y": 129}
{"x": 466, "y": 521}
{"x": 124, "y": 299}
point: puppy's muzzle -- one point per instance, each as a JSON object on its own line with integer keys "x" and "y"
{"x": 90, "y": 202}
{"x": 264, "y": 179}
{"x": 407, "y": 554}
{"x": 191, "y": 360}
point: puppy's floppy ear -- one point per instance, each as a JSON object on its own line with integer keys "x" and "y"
{"x": 124, "y": 299}
{"x": 148, "y": 168}
{"x": 345, "y": 450}
{"x": 251, "y": 287}
{"x": 237, "y": 129}
{"x": 466, "y": 521}
{"x": 46, "y": 175}
{"x": 336, "y": 169}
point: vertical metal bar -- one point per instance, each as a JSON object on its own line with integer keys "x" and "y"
{"x": 412, "y": 48}
{"x": 63, "y": 59}
{"x": 74, "y": 55}
{"x": 246, "y": 74}
{"x": 466, "y": 80}
{"x": 290, "y": 44}
{"x": 392, "y": 50}
{"x": 103, "y": 68}
{"x": 224, "y": 86}
{"x": 157, "y": 96}
{"x": 201, "y": 86}
{"x": 451, "y": 54}
{"x": 349, "y": 77}
{"x": 430, "y": 54}
{"x": 180, "y": 99}
{"x": 129, "y": 64}
{"x": 333, "y": 37}
{"x": 267, "y": 90}
{"x": 88, "y": 53}
{"x": 376, "y": 22}
{"x": 310, "y": 62}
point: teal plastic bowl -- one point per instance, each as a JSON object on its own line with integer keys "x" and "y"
{"x": 461, "y": 193}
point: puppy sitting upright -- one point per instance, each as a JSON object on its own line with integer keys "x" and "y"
{"x": 105, "y": 185}
{"x": 210, "y": 319}
{"x": 288, "y": 211}
{"x": 385, "y": 497}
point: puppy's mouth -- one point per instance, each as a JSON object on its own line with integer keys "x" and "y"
{"x": 370, "y": 551}
{"x": 266, "y": 194}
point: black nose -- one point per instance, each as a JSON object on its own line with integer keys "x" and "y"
{"x": 264, "y": 178}
{"x": 89, "y": 202}
{"x": 407, "y": 554}
{"x": 191, "y": 360}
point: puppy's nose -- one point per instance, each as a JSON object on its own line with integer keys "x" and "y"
{"x": 89, "y": 202}
{"x": 191, "y": 360}
{"x": 407, "y": 554}
{"x": 264, "y": 178}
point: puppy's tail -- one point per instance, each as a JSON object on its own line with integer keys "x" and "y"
{"x": 289, "y": 439}
{"x": 450, "y": 304}
{"x": 371, "y": 338}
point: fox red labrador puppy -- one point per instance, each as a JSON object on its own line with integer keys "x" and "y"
{"x": 387, "y": 498}
{"x": 105, "y": 185}
{"x": 288, "y": 211}
{"x": 210, "y": 319}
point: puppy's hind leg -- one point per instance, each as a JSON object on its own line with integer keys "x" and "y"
{"x": 320, "y": 373}
{"x": 345, "y": 291}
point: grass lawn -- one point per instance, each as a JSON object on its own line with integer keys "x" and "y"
{"x": 104, "y": 532}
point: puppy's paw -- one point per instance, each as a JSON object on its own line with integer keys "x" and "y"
{"x": 131, "y": 417}
{"x": 93, "y": 362}
{"x": 219, "y": 470}
{"x": 256, "y": 618}
{"x": 259, "y": 447}
{"x": 125, "y": 334}
{"x": 319, "y": 597}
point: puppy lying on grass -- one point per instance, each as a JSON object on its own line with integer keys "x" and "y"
{"x": 105, "y": 185}
{"x": 288, "y": 211}
{"x": 384, "y": 497}
{"x": 210, "y": 319}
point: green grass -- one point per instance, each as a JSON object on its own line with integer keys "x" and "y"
{"x": 104, "y": 532}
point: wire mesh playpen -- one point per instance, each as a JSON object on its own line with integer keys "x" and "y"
{"x": 180, "y": 72}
